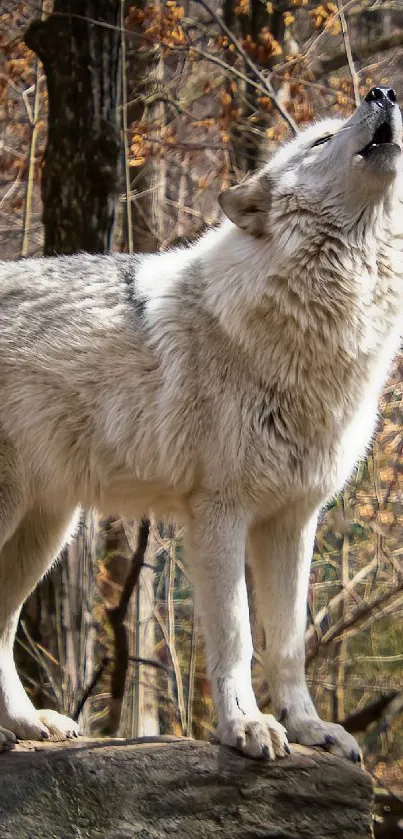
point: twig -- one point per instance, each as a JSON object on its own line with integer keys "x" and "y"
{"x": 192, "y": 673}
{"x": 391, "y": 710}
{"x": 268, "y": 88}
{"x": 232, "y": 71}
{"x": 314, "y": 42}
{"x": 360, "y": 720}
{"x": 175, "y": 665}
{"x": 129, "y": 222}
{"x": 327, "y": 611}
{"x": 342, "y": 646}
{"x": 12, "y": 188}
{"x": 39, "y": 655}
{"x": 90, "y": 687}
{"x": 349, "y": 54}
{"x": 31, "y": 164}
{"x": 359, "y": 614}
{"x": 147, "y": 662}
{"x": 335, "y": 62}
{"x": 171, "y": 634}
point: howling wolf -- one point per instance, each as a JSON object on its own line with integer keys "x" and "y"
{"x": 232, "y": 384}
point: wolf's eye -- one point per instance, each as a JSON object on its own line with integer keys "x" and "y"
{"x": 322, "y": 140}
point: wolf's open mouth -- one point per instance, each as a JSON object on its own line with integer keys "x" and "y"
{"x": 383, "y": 135}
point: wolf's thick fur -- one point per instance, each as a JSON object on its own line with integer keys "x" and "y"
{"x": 232, "y": 384}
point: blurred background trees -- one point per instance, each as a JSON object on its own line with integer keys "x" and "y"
{"x": 120, "y": 122}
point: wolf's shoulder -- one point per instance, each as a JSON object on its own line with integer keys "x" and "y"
{"x": 80, "y": 275}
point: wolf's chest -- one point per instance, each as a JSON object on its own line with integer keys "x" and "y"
{"x": 310, "y": 440}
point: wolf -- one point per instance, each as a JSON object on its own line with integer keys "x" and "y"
{"x": 232, "y": 385}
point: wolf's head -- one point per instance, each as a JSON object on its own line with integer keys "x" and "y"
{"x": 335, "y": 168}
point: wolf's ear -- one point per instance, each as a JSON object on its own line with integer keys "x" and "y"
{"x": 248, "y": 204}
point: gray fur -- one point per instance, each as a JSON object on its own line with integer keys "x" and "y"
{"x": 232, "y": 385}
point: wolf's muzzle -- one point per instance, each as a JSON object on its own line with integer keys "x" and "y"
{"x": 383, "y": 96}
{"x": 383, "y": 120}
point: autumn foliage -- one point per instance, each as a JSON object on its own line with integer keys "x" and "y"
{"x": 208, "y": 93}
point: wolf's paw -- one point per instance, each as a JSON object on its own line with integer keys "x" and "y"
{"x": 7, "y": 740}
{"x": 262, "y": 737}
{"x": 25, "y": 726}
{"x": 329, "y": 735}
{"x": 59, "y": 726}
{"x": 41, "y": 725}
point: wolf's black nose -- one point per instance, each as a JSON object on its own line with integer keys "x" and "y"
{"x": 382, "y": 95}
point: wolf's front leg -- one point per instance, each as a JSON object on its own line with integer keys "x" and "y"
{"x": 216, "y": 549}
{"x": 280, "y": 552}
{"x": 23, "y": 560}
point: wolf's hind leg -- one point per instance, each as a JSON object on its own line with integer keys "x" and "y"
{"x": 12, "y": 500}
{"x": 24, "y": 559}
{"x": 280, "y": 552}
{"x": 216, "y": 542}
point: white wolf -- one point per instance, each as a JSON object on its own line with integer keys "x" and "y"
{"x": 232, "y": 384}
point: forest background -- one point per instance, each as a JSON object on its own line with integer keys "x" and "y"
{"x": 119, "y": 124}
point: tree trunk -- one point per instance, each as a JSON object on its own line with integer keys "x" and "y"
{"x": 78, "y": 45}
{"x": 80, "y": 55}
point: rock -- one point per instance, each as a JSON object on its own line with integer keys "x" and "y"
{"x": 162, "y": 787}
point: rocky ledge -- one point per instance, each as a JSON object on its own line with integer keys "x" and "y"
{"x": 155, "y": 788}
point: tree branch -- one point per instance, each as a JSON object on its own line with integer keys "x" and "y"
{"x": 148, "y": 662}
{"x": 268, "y": 88}
{"x": 360, "y": 720}
{"x": 314, "y": 643}
{"x": 335, "y": 62}
{"x": 349, "y": 54}
{"x": 117, "y": 617}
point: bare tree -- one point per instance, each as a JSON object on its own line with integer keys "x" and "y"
{"x": 78, "y": 45}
